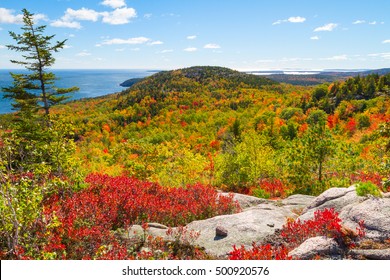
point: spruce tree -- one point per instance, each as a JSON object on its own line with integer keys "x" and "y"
{"x": 33, "y": 93}
{"x": 35, "y": 90}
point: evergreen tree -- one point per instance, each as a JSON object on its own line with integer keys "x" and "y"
{"x": 35, "y": 90}
{"x": 306, "y": 157}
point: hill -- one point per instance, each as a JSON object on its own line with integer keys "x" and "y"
{"x": 193, "y": 82}
{"x": 205, "y": 74}
{"x": 323, "y": 77}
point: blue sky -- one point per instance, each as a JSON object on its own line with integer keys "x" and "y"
{"x": 239, "y": 34}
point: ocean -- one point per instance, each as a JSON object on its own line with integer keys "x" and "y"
{"x": 92, "y": 83}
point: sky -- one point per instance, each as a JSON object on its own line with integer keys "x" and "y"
{"x": 239, "y": 34}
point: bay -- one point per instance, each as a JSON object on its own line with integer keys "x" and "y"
{"x": 92, "y": 83}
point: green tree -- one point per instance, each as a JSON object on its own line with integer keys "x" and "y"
{"x": 36, "y": 89}
{"x": 306, "y": 157}
{"x": 250, "y": 161}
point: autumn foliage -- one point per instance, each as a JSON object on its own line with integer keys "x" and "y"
{"x": 84, "y": 222}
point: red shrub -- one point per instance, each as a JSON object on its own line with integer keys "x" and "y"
{"x": 274, "y": 187}
{"x": 84, "y": 221}
{"x": 351, "y": 126}
{"x": 374, "y": 178}
{"x": 259, "y": 252}
{"x": 325, "y": 223}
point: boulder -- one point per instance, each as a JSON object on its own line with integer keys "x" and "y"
{"x": 317, "y": 246}
{"x": 252, "y": 225}
{"x": 336, "y": 198}
{"x": 297, "y": 202}
{"x": 246, "y": 201}
{"x": 221, "y": 231}
{"x": 371, "y": 254}
{"x": 375, "y": 212}
{"x": 157, "y": 225}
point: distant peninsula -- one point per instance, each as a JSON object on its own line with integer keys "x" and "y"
{"x": 131, "y": 82}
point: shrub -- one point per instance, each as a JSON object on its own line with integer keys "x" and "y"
{"x": 259, "y": 192}
{"x": 363, "y": 121}
{"x": 259, "y": 252}
{"x": 83, "y": 224}
{"x": 367, "y": 188}
{"x": 269, "y": 188}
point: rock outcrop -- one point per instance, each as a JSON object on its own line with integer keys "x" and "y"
{"x": 336, "y": 198}
{"x": 261, "y": 219}
{"x": 375, "y": 212}
{"x": 298, "y": 202}
{"x": 317, "y": 246}
{"x": 371, "y": 254}
{"x": 246, "y": 201}
{"x": 252, "y": 225}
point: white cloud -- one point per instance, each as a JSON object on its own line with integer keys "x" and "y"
{"x": 191, "y": 37}
{"x": 147, "y": 16}
{"x": 81, "y": 14}
{"x": 212, "y": 46}
{"x": 39, "y": 17}
{"x": 72, "y": 17}
{"x": 370, "y": 22}
{"x": 296, "y": 19}
{"x": 326, "y": 27}
{"x": 72, "y": 35}
{"x": 314, "y": 38}
{"x": 130, "y": 41}
{"x": 381, "y": 55}
{"x": 7, "y": 16}
{"x": 359, "y": 22}
{"x": 386, "y": 41}
{"x": 67, "y": 24}
{"x": 114, "y": 3}
{"x": 135, "y": 49}
{"x": 120, "y": 50}
{"x": 166, "y": 51}
{"x": 2, "y": 47}
{"x": 190, "y": 49}
{"x": 156, "y": 43}
{"x": 119, "y": 16}
{"x": 83, "y": 53}
{"x": 290, "y": 19}
{"x": 67, "y": 47}
{"x": 337, "y": 58}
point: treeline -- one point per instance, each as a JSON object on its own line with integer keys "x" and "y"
{"x": 328, "y": 98}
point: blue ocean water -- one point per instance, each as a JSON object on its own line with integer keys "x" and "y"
{"x": 92, "y": 83}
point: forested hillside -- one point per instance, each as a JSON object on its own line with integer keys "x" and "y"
{"x": 234, "y": 131}
{"x": 185, "y": 134}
